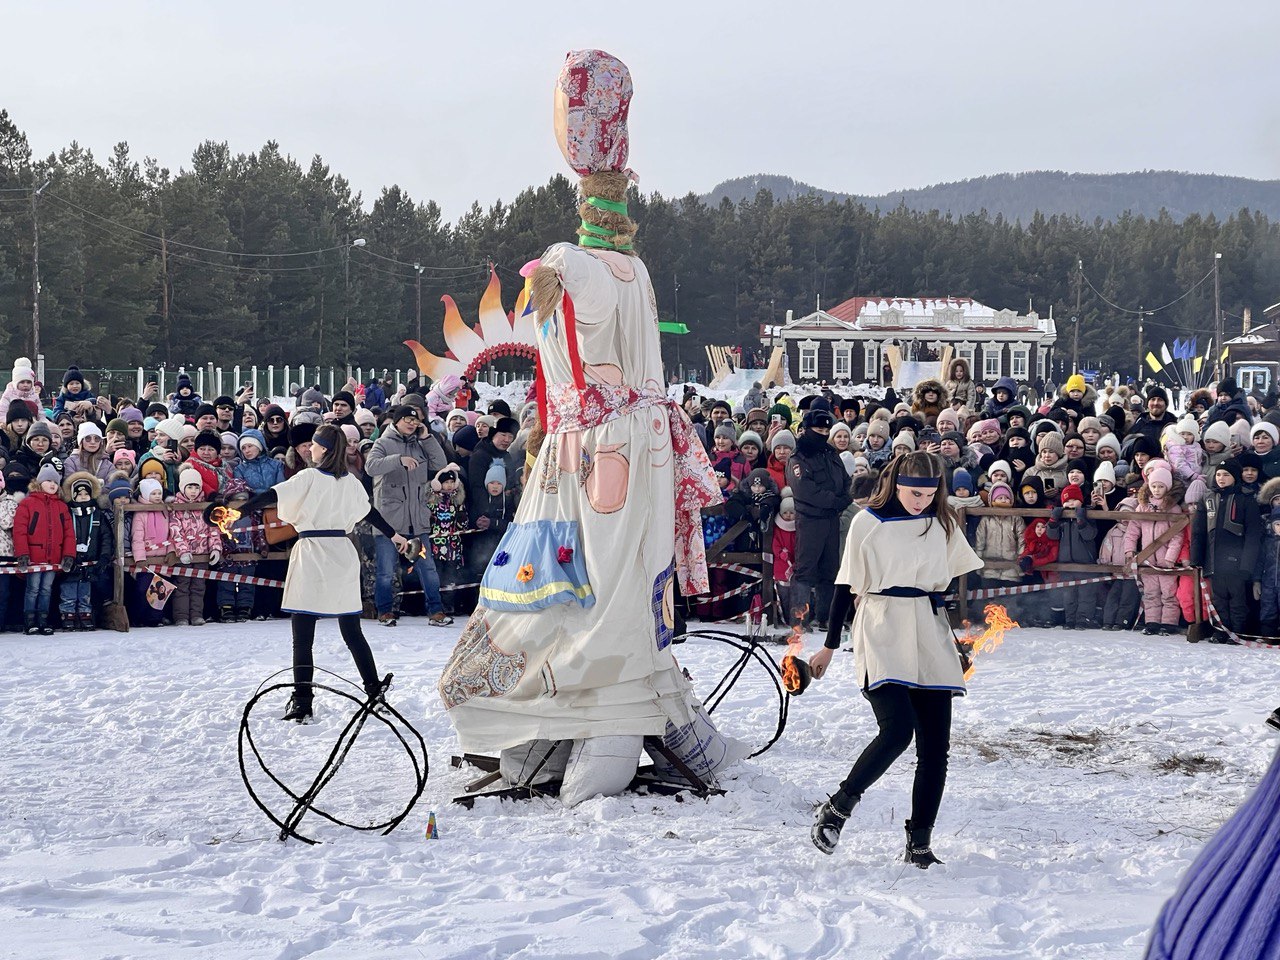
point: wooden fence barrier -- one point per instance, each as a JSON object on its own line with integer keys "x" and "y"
{"x": 1178, "y": 522}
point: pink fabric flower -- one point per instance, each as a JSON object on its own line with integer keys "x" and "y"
{"x": 564, "y": 555}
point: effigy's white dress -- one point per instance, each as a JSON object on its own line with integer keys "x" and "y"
{"x": 580, "y": 644}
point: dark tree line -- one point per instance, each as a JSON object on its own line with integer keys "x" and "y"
{"x": 247, "y": 258}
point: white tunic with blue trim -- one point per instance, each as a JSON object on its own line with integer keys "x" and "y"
{"x": 901, "y": 639}
{"x": 324, "y": 572}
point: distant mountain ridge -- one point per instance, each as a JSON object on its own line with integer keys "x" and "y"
{"x": 1019, "y": 195}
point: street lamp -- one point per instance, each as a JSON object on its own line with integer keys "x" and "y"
{"x": 346, "y": 299}
{"x": 35, "y": 277}
{"x": 418, "y": 308}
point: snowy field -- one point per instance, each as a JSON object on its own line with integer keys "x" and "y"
{"x": 1087, "y": 771}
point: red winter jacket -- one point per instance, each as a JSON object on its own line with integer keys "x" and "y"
{"x": 42, "y": 529}
{"x": 1040, "y": 549}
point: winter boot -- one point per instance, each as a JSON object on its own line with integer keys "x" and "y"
{"x": 46, "y": 628}
{"x": 298, "y": 709}
{"x": 227, "y": 614}
{"x": 1151, "y": 630}
{"x": 87, "y": 621}
{"x": 830, "y": 820}
{"x": 918, "y": 850}
{"x": 1274, "y": 719}
{"x": 32, "y": 625}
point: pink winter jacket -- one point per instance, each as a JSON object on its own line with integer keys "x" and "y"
{"x": 149, "y": 535}
{"x": 1112, "y": 550}
{"x": 32, "y": 397}
{"x": 189, "y": 532}
{"x": 1143, "y": 532}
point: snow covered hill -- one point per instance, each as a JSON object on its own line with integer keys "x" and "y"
{"x": 1087, "y": 770}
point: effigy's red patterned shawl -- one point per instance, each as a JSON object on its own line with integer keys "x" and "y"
{"x": 572, "y": 408}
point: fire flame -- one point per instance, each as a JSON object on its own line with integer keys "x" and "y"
{"x": 223, "y": 518}
{"x": 998, "y": 622}
{"x": 791, "y": 675}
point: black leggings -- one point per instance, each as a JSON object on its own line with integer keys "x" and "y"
{"x": 304, "y": 637}
{"x": 904, "y": 712}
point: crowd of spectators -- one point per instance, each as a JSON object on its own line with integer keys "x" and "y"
{"x": 796, "y": 470}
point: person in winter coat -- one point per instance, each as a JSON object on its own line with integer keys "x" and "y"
{"x": 1266, "y": 444}
{"x": 149, "y": 540}
{"x": 77, "y": 398}
{"x": 275, "y": 429}
{"x": 1003, "y": 396}
{"x": 403, "y": 462}
{"x": 16, "y": 482}
{"x": 1038, "y": 550}
{"x": 191, "y": 536}
{"x": 1077, "y": 538}
{"x": 753, "y": 397}
{"x": 1152, "y": 423}
{"x": 1226, "y": 537}
{"x": 756, "y": 501}
{"x": 1231, "y": 405}
{"x": 1159, "y": 591}
{"x": 902, "y": 552}
{"x": 1120, "y": 597}
{"x": 375, "y": 397}
{"x": 206, "y": 460}
{"x": 492, "y": 517}
{"x": 784, "y": 551}
{"x": 163, "y": 462}
{"x": 42, "y": 534}
{"x": 927, "y": 401}
{"x": 89, "y": 455}
{"x": 94, "y": 550}
{"x": 725, "y": 459}
{"x": 1268, "y": 585}
{"x": 782, "y": 445}
{"x": 820, "y": 487}
{"x": 447, "y": 505}
{"x": 964, "y": 495}
{"x": 1050, "y": 467}
{"x": 491, "y": 448}
{"x": 1000, "y": 538}
{"x": 1072, "y": 398}
{"x": 22, "y": 389}
{"x": 959, "y": 387}
{"x": 235, "y": 600}
{"x": 185, "y": 400}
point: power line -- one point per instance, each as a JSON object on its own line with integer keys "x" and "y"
{"x": 1145, "y": 312}
{"x": 413, "y": 266}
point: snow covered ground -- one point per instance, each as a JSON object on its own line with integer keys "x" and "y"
{"x": 1070, "y": 815}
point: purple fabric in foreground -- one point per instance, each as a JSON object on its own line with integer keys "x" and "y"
{"x": 1228, "y": 906}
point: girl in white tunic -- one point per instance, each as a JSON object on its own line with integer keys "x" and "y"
{"x": 324, "y": 505}
{"x": 900, "y": 555}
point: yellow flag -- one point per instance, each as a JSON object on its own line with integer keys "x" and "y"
{"x": 1153, "y": 363}
{"x": 1197, "y": 364}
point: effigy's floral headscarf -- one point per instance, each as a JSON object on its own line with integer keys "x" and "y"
{"x": 593, "y": 95}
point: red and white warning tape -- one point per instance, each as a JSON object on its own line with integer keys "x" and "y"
{"x": 30, "y": 568}
{"x": 988, "y": 592}
{"x": 202, "y": 574}
{"x": 1245, "y": 640}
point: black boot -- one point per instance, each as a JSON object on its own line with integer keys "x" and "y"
{"x": 298, "y": 709}
{"x": 918, "y": 850}
{"x": 830, "y": 820}
{"x": 1274, "y": 719}
{"x": 46, "y": 629}
{"x": 32, "y": 625}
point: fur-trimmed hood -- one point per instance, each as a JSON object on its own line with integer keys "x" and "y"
{"x": 81, "y": 476}
{"x": 1269, "y": 491}
{"x": 925, "y": 385}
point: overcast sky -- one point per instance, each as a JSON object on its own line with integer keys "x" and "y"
{"x": 453, "y": 101}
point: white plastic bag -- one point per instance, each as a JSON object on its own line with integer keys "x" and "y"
{"x": 600, "y": 766}
{"x": 523, "y": 766}
{"x": 703, "y": 748}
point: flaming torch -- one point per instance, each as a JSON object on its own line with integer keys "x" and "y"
{"x": 222, "y": 517}
{"x": 979, "y": 641}
{"x": 795, "y": 669}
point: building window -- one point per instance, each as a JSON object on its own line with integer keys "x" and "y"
{"x": 870, "y": 362}
{"x": 964, "y": 351}
{"x": 1018, "y": 367}
{"x": 809, "y": 359}
{"x": 991, "y": 362}
{"x": 842, "y": 360}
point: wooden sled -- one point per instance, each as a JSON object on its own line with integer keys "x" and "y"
{"x": 646, "y": 780}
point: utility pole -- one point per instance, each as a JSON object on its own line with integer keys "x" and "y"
{"x": 164, "y": 295}
{"x": 1075, "y": 321}
{"x": 1140, "y": 360}
{"x": 35, "y": 272}
{"x": 346, "y": 299}
{"x": 679, "y": 365}
{"x": 1218, "y": 363}
{"x": 418, "y": 308}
